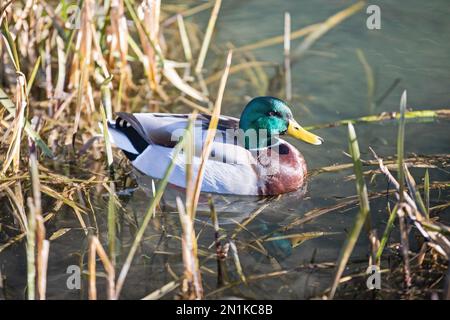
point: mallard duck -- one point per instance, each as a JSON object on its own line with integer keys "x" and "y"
{"x": 247, "y": 157}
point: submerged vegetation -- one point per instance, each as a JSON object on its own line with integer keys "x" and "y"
{"x": 66, "y": 67}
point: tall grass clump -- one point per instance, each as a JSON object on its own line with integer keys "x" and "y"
{"x": 411, "y": 211}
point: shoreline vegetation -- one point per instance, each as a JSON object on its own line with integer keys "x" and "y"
{"x": 67, "y": 67}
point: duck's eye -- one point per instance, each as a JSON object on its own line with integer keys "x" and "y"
{"x": 274, "y": 114}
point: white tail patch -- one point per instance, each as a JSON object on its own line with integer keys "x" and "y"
{"x": 121, "y": 141}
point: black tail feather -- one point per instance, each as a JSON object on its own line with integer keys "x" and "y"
{"x": 127, "y": 124}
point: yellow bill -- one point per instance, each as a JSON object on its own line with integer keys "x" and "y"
{"x": 296, "y": 131}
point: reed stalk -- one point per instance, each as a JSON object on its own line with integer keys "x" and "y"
{"x": 287, "y": 56}
{"x": 426, "y": 191}
{"x": 208, "y": 35}
{"x": 210, "y": 136}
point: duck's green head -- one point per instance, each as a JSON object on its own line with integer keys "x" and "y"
{"x": 274, "y": 116}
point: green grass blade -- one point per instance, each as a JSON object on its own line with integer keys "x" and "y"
{"x": 387, "y": 232}
{"x": 11, "y": 46}
{"x": 362, "y": 215}
{"x": 106, "y": 97}
{"x": 109, "y": 154}
{"x": 33, "y": 75}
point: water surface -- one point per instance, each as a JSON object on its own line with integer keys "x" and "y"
{"x": 329, "y": 84}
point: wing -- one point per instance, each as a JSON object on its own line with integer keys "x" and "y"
{"x": 164, "y": 129}
{"x": 219, "y": 177}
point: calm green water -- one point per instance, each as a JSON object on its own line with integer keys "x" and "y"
{"x": 329, "y": 84}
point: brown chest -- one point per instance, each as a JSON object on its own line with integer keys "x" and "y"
{"x": 281, "y": 169}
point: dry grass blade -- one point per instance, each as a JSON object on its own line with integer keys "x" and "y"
{"x": 61, "y": 197}
{"x": 413, "y": 214}
{"x": 34, "y": 218}
{"x": 96, "y": 248}
{"x": 112, "y": 223}
{"x": 249, "y": 219}
{"x": 171, "y": 74}
{"x": 208, "y": 35}
{"x": 59, "y": 93}
{"x": 59, "y": 233}
{"x": 189, "y": 158}
{"x": 43, "y": 250}
{"x": 278, "y": 39}
{"x": 42, "y": 245}
{"x": 210, "y": 136}
{"x": 287, "y": 56}
{"x": 12, "y": 241}
{"x": 249, "y": 279}
{"x": 18, "y": 209}
{"x": 81, "y": 63}
{"x": 369, "y": 78}
{"x": 13, "y": 153}
{"x": 412, "y": 187}
{"x": 326, "y": 26}
{"x": 237, "y": 262}
{"x": 401, "y": 180}
{"x": 401, "y": 145}
{"x": 148, "y": 30}
{"x": 314, "y": 214}
{"x": 298, "y": 238}
{"x": 237, "y": 68}
{"x": 31, "y": 247}
{"x": 254, "y": 71}
{"x": 161, "y": 292}
{"x": 220, "y": 254}
{"x": 92, "y": 269}
{"x": 426, "y": 191}
{"x": 119, "y": 42}
{"x": 194, "y": 105}
{"x": 189, "y": 12}
{"x": 426, "y": 161}
{"x": 405, "y": 243}
{"x": 387, "y": 116}
{"x": 192, "y": 287}
{"x": 184, "y": 38}
{"x": 361, "y": 216}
